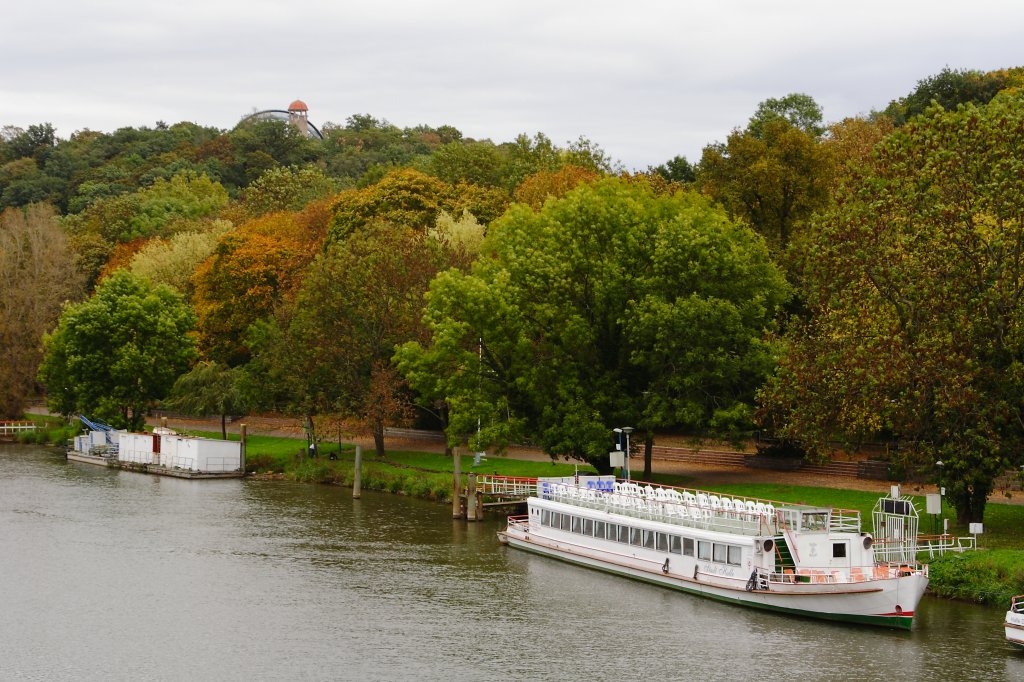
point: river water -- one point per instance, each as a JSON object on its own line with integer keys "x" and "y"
{"x": 110, "y": 575}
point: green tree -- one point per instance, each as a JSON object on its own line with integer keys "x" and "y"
{"x": 950, "y": 88}
{"x": 610, "y": 306}
{"x": 210, "y": 388}
{"x": 358, "y": 300}
{"x": 798, "y": 109}
{"x": 677, "y": 169}
{"x": 175, "y": 260}
{"x": 916, "y": 286}
{"x": 286, "y": 189}
{"x": 113, "y": 355}
{"x": 154, "y": 210}
{"x": 478, "y": 163}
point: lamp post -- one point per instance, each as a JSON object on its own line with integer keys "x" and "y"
{"x": 626, "y": 430}
{"x": 938, "y": 466}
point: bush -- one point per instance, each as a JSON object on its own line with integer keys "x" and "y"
{"x": 984, "y": 577}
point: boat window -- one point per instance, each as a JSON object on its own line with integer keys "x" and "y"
{"x": 662, "y": 542}
{"x": 545, "y": 518}
{"x": 577, "y": 524}
{"x": 720, "y": 553}
{"x": 813, "y": 521}
{"x": 599, "y": 529}
{"x": 588, "y": 526}
{"x": 838, "y": 550}
{"x": 735, "y": 554}
{"x": 688, "y": 546}
{"x": 704, "y": 550}
{"x": 675, "y": 544}
{"x": 623, "y": 534}
{"x": 649, "y": 539}
{"x": 565, "y": 521}
{"x": 635, "y": 538}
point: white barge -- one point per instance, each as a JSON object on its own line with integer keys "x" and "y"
{"x": 796, "y": 559}
{"x": 1014, "y": 624}
{"x": 163, "y": 452}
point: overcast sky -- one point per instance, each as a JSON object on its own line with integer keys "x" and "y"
{"x": 645, "y": 80}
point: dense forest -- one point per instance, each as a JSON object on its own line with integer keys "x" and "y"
{"x": 852, "y": 281}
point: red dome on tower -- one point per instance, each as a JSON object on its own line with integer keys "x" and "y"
{"x": 298, "y": 105}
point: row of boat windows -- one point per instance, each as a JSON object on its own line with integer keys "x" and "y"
{"x": 641, "y": 537}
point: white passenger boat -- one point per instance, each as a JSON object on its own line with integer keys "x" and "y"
{"x": 796, "y": 559}
{"x": 1014, "y": 624}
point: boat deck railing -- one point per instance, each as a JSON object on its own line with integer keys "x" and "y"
{"x": 679, "y": 506}
{"x": 669, "y": 505}
{"x": 855, "y": 575}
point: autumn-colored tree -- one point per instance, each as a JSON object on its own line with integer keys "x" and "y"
{"x": 915, "y": 283}
{"x": 773, "y": 179}
{"x": 412, "y": 199}
{"x": 37, "y": 275}
{"x": 539, "y": 187}
{"x": 250, "y": 272}
{"x": 403, "y": 197}
{"x": 852, "y": 142}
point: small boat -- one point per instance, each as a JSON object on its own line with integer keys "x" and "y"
{"x": 790, "y": 558}
{"x": 1014, "y": 624}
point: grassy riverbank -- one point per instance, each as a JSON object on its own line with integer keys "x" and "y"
{"x": 989, "y": 576}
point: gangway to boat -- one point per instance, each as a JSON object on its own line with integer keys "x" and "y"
{"x": 507, "y": 487}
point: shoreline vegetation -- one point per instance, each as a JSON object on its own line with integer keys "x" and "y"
{"x": 990, "y": 576}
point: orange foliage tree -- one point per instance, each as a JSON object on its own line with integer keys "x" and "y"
{"x": 537, "y": 188}
{"x": 251, "y": 271}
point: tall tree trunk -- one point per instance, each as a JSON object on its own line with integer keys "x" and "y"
{"x": 224, "y": 427}
{"x": 648, "y": 451}
{"x": 378, "y": 438}
{"x": 970, "y": 504}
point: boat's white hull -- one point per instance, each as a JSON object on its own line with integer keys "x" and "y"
{"x": 890, "y": 602}
{"x": 1014, "y": 627}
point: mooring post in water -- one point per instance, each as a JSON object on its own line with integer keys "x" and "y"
{"x": 457, "y": 483}
{"x": 471, "y": 499}
{"x": 241, "y": 450}
{"x": 357, "y": 477}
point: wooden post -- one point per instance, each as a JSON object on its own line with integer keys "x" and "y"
{"x": 456, "y": 483}
{"x": 471, "y": 498}
{"x": 163, "y": 422}
{"x": 357, "y": 477}
{"x": 241, "y": 439}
